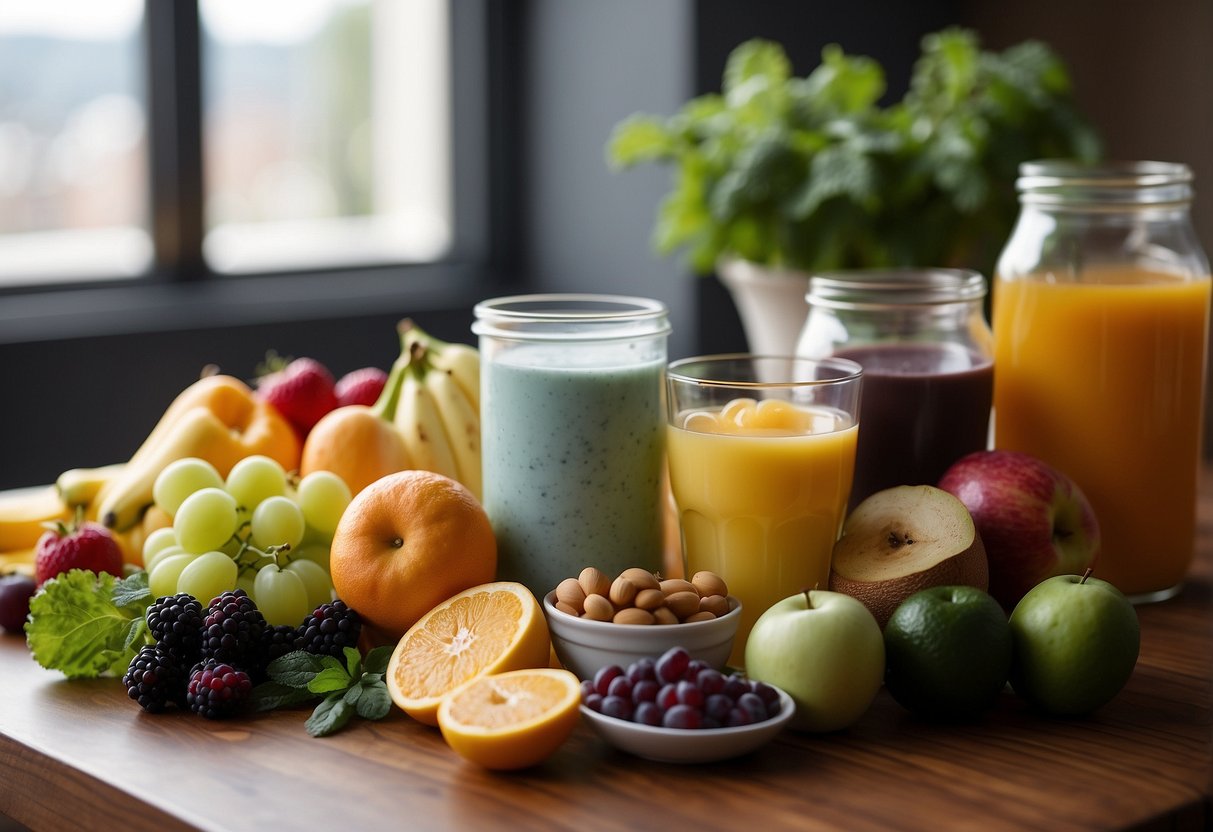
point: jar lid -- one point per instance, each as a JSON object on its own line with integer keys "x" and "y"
{"x": 570, "y": 317}
{"x": 877, "y": 288}
{"x": 1066, "y": 182}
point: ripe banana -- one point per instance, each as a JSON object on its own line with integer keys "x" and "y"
{"x": 80, "y": 486}
{"x": 23, "y": 512}
{"x": 460, "y": 417}
{"x": 462, "y": 363}
{"x": 421, "y": 426}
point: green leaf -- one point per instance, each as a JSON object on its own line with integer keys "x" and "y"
{"x": 353, "y": 661}
{"x": 375, "y": 702}
{"x": 330, "y": 716}
{"x": 841, "y": 85}
{"x": 271, "y": 695}
{"x": 132, "y": 590}
{"x": 352, "y": 694}
{"x": 295, "y": 669}
{"x": 136, "y": 635}
{"x": 328, "y": 680}
{"x": 639, "y": 138}
{"x": 839, "y": 170}
{"x": 76, "y": 628}
{"x": 755, "y": 58}
{"x": 377, "y": 660}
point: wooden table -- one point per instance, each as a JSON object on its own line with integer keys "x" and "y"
{"x": 81, "y": 755}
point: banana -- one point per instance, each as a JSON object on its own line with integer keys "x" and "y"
{"x": 420, "y": 425}
{"x": 23, "y": 512}
{"x": 463, "y": 364}
{"x": 462, "y": 421}
{"x": 80, "y": 486}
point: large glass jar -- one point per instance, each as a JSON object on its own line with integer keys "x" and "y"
{"x": 573, "y": 427}
{"x": 926, "y": 351}
{"x": 1101, "y": 321}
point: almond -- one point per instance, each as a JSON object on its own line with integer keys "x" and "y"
{"x": 664, "y": 615}
{"x": 702, "y": 615}
{"x": 598, "y": 608}
{"x": 717, "y": 605}
{"x": 569, "y": 592}
{"x": 623, "y": 592}
{"x": 634, "y": 615}
{"x": 683, "y": 604}
{"x": 567, "y": 609}
{"x": 594, "y": 581}
{"x": 709, "y": 583}
{"x": 649, "y": 599}
{"x": 671, "y": 585}
{"x": 643, "y": 579}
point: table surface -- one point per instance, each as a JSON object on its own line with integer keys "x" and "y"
{"x": 79, "y": 754}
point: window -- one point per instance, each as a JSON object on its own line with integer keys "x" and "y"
{"x": 187, "y": 139}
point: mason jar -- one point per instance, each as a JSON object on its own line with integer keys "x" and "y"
{"x": 1101, "y": 322}
{"x": 572, "y": 431}
{"x": 928, "y": 372}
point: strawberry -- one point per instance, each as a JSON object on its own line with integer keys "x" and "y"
{"x": 302, "y": 391}
{"x": 78, "y": 546}
{"x": 361, "y": 386}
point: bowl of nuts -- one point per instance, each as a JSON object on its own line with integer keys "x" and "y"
{"x": 596, "y": 620}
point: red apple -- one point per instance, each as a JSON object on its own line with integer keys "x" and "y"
{"x": 1034, "y": 520}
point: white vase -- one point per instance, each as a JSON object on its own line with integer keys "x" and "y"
{"x": 770, "y": 301}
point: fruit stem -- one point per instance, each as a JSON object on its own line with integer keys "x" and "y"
{"x": 1087, "y": 574}
{"x": 808, "y": 600}
{"x": 385, "y": 406}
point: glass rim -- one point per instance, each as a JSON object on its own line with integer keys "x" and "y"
{"x": 604, "y": 317}
{"x": 1067, "y": 181}
{"x": 882, "y": 287}
{"x": 851, "y": 371}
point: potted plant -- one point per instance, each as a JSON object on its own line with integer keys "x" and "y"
{"x": 779, "y": 176}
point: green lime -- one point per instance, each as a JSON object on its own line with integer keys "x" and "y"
{"x": 947, "y": 652}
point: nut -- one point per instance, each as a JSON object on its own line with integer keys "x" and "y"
{"x": 642, "y": 578}
{"x": 709, "y": 583}
{"x": 683, "y": 604}
{"x": 671, "y": 585}
{"x": 634, "y": 615}
{"x": 623, "y": 592}
{"x": 567, "y": 609}
{"x": 717, "y": 605}
{"x": 594, "y": 581}
{"x": 702, "y": 615}
{"x": 664, "y": 615}
{"x": 649, "y": 599}
{"x": 569, "y": 592}
{"x": 598, "y": 608}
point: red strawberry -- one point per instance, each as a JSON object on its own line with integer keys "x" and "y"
{"x": 302, "y": 391}
{"x": 84, "y": 546}
{"x": 361, "y": 386}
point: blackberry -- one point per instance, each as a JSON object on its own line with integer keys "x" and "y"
{"x": 232, "y": 630}
{"x": 276, "y": 642}
{"x": 155, "y": 678}
{"x": 217, "y": 689}
{"x": 329, "y": 629}
{"x": 175, "y": 622}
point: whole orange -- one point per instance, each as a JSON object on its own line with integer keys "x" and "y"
{"x": 406, "y": 543}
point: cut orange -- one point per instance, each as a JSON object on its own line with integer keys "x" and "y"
{"x": 489, "y": 628}
{"x": 511, "y": 720}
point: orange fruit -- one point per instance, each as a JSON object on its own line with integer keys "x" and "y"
{"x": 483, "y": 630}
{"x": 356, "y": 444}
{"x": 511, "y": 720}
{"x": 405, "y": 544}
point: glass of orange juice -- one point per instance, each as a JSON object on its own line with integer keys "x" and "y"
{"x": 761, "y": 454}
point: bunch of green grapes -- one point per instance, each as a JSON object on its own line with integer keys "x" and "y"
{"x": 256, "y": 531}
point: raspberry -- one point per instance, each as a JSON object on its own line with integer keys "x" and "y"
{"x": 276, "y": 642}
{"x": 232, "y": 630}
{"x": 175, "y": 622}
{"x": 329, "y": 629}
{"x": 85, "y": 546}
{"x": 155, "y": 678}
{"x": 217, "y": 689}
{"x": 360, "y": 386}
{"x": 302, "y": 392}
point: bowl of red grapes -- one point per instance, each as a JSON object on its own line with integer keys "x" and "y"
{"x": 675, "y": 709}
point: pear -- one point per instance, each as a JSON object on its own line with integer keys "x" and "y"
{"x": 905, "y": 539}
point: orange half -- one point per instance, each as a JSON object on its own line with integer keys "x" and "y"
{"x": 491, "y": 628}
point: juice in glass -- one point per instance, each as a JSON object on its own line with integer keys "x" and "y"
{"x": 1104, "y": 379}
{"x": 761, "y": 489}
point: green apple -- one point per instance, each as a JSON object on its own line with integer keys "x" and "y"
{"x": 1076, "y": 641}
{"x": 826, "y": 650}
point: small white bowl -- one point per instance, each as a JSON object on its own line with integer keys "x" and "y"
{"x": 686, "y": 745}
{"x": 584, "y": 645}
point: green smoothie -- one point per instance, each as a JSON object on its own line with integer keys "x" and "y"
{"x": 573, "y": 458}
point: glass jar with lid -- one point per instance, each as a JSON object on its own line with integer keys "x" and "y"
{"x": 926, "y": 351}
{"x": 1101, "y": 321}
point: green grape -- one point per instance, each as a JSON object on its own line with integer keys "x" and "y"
{"x": 245, "y": 581}
{"x": 278, "y": 521}
{"x": 157, "y": 541}
{"x": 256, "y": 478}
{"x": 323, "y": 497}
{"x": 168, "y": 551}
{"x": 180, "y": 479}
{"x": 206, "y": 520}
{"x": 280, "y": 596}
{"x": 316, "y": 581}
{"x": 163, "y": 579}
{"x": 207, "y": 576}
{"x": 316, "y": 552}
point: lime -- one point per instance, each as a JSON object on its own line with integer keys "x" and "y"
{"x": 947, "y": 652}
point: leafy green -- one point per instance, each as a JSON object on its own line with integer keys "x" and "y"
{"x": 86, "y": 625}
{"x": 814, "y": 173}
{"x": 355, "y": 687}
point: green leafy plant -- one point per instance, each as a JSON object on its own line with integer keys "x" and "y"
{"x": 355, "y": 687}
{"x": 813, "y": 173}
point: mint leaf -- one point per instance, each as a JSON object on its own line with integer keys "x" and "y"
{"x": 377, "y": 660}
{"x": 76, "y": 628}
{"x": 353, "y": 661}
{"x": 270, "y": 695}
{"x": 329, "y": 680}
{"x": 330, "y": 716}
{"x": 133, "y": 590}
{"x": 756, "y": 58}
{"x": 639, "y": 138}
{"x": 375, "y": 701}
{"x": 295, "y": 669}
{"x": 352, "y": 694}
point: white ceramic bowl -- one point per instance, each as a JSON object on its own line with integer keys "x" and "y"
{"x": 584, "y": 645}
{"x": 681, "y": 745}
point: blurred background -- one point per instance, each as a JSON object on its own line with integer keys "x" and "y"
{"x": 187, "y": 183}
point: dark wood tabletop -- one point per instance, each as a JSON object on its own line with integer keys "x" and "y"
{"x": 80, "y": 755}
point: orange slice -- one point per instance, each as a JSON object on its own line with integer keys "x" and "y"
{"x": 489, "y": 628}
{"x": 511, "y": 720}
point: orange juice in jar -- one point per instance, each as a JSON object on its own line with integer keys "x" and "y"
{"x": 1101, "y": 326}
{"x": 761, "y": 472}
